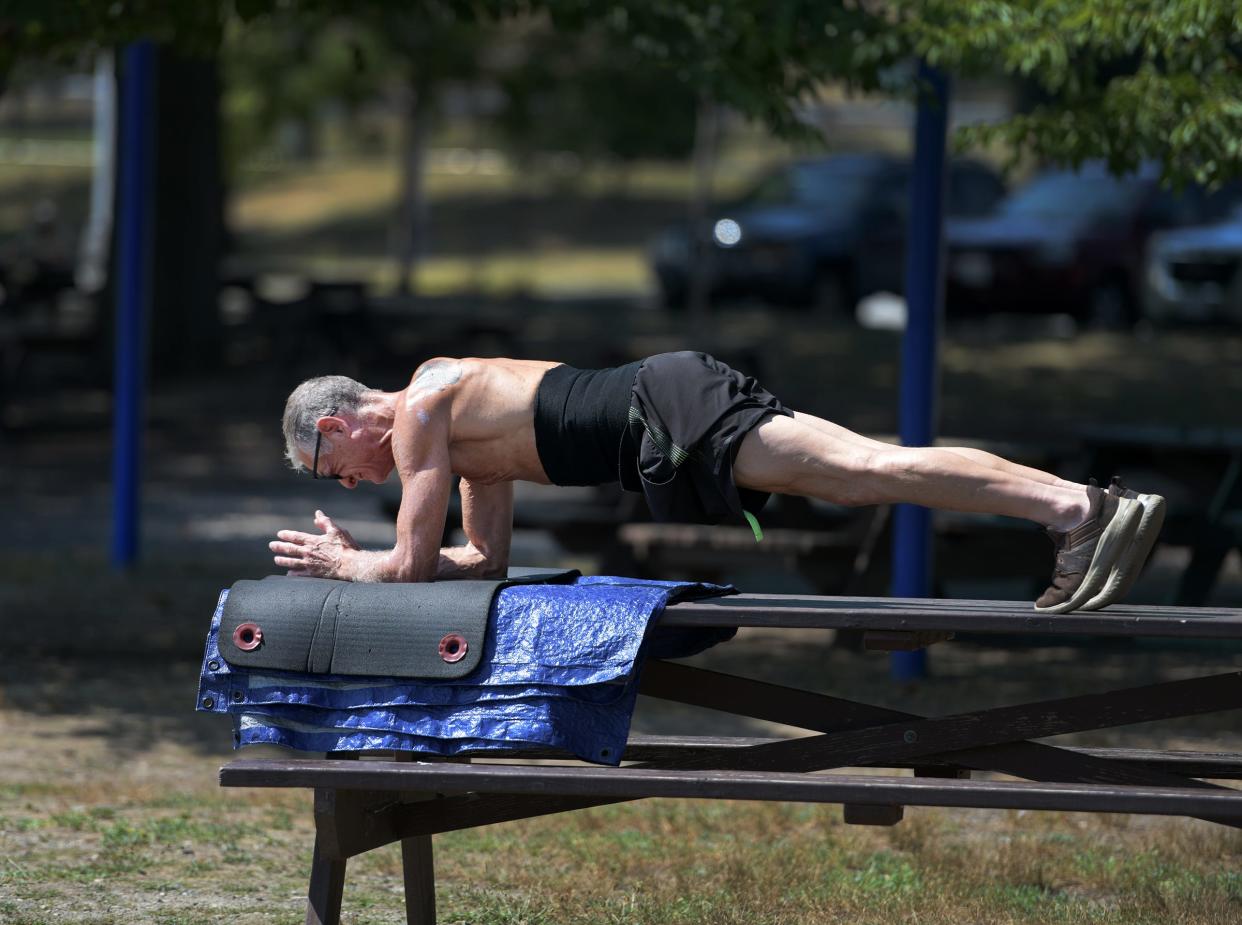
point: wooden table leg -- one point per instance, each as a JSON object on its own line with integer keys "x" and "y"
{"x": 327, "y": 883}
{"x": 419, "y": 870}
{"x": 418, "y": 866}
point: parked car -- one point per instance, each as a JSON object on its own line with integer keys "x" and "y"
{"x": 1069, "y": 242}
{"x": 1192, "y": 274}
{"x": 819, "y": 232}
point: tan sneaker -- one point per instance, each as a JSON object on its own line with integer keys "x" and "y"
{"x": 1130, "y": 563}
{"x": 1086, "y": 554}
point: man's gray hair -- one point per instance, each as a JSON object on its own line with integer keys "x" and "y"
{"x": 312, "y": 400}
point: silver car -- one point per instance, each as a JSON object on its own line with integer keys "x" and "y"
{"x": 1192, "y": 274}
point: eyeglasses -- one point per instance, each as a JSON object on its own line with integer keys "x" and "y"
{"x": 315, "y": 462}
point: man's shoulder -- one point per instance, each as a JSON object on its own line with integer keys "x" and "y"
{"x": 435, "y": 376}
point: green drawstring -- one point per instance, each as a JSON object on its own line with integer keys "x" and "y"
{"x": 754, "y": 525}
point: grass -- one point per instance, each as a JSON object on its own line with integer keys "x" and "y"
{"x": 660, "y": 862}
{"x": 550, "y": 273}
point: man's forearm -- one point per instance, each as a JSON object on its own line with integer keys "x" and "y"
{"x": 453, "y": 562}
{"x": 381, "y": 565}
{"x": 468, "y": 562}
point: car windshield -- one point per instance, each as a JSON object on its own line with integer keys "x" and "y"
{"x": 1079, "y": 194}
{"x": 842, "y": 184}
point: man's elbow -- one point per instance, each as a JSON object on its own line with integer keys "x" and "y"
{"x": 492, "y": 561}
{"x": 495, "y": 570}
{"x": 408, "y": 568}
{"x": 412, "y": 576}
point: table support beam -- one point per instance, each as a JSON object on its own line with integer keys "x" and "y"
{"x": 350, "y": 822}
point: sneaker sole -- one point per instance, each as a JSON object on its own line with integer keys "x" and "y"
{"x": 1128, "y": 568}
{"x": 1117, "y": 535}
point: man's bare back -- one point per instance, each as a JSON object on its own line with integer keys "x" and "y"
{"x": 491, "y": 431}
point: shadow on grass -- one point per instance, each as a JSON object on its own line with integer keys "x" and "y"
{"x": 120, "y": 652}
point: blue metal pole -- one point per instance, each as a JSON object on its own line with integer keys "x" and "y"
{"x": 133, "y": 296}
{"x": 920, "y": 380}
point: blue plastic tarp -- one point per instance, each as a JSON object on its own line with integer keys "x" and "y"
{"x": 560, "y": 670}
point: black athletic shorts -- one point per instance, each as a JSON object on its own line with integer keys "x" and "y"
{"x": 687, "y": 418}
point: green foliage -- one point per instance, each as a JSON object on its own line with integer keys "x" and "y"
{"x": 1126, "y": 80}
{"x": 763, "y": 57}
{"x": 284, "y": 69}
{"x": 68, "y": 30}
{"x": 597, "y": 96}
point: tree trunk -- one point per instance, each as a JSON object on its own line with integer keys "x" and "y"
{"x": 706, "y": 139}
{"x": 409, "y": 236}
{"x": 95, "y": 245}
{"x": 188, "y": 215}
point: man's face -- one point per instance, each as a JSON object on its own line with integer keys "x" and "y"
{"x": 352, "y": 455}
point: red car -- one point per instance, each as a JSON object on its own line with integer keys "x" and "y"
{"x": 1070, "y": 242}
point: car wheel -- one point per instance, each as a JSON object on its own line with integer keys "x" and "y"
{"x": 1110, "y": 306}
{"x": 830, "y": 295}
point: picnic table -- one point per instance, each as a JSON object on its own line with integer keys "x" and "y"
{"x": 363, "y": 804}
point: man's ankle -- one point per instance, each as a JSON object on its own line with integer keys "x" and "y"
{"x": 1072, "y": 510}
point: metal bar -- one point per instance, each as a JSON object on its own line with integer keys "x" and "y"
{"x": 133, "y": 295}
{"x": 920, "y": 378}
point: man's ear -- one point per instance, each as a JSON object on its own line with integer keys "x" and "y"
{"x": 331, "y": 426}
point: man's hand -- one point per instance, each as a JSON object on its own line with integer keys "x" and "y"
{"x": 311, "y": 555}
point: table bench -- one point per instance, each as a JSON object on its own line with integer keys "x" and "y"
{"x": 363, "y": 804}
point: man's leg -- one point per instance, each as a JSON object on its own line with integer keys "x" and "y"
{"x": 1092, "y": 529}
{"x": 983, "y": 457}
{"x": 1128, "y": 568}
{"x": 805, "y": 455}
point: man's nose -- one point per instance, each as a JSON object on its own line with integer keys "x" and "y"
{"x": 350, "y": 481}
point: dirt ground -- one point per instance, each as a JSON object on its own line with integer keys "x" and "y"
{"x": 109, "y": 810}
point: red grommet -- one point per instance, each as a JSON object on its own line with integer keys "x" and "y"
{"x": 247, "y": 636}
{"x": 453, "y": 647}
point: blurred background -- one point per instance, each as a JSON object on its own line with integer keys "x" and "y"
{"x": 354, "y": 190}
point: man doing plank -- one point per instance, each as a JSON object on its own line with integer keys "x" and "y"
{"x": 702, "y": 442}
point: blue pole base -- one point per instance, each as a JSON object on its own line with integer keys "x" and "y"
{"x": 908, "y": 666}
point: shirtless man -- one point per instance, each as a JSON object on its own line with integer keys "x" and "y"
{"x": 701, "y": 441}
